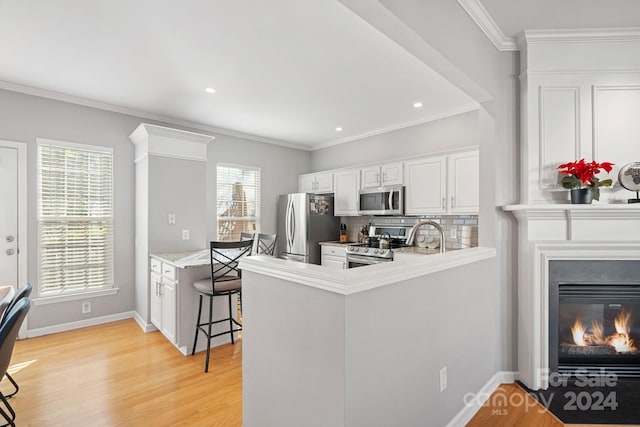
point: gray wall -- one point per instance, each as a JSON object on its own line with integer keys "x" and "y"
{"x": 24, "y": 118}
{"x": 440, "y": 135}
{"x": 368, "y": 359}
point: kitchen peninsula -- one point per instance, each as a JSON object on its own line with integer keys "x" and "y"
{"x": 362, "y": 346}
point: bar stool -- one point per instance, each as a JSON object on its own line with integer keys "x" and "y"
{"x": 225, "y": 280}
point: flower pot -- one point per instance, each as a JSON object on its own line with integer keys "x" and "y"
{"x": 581, "y": 196}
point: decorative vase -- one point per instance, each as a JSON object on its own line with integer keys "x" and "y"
{"x": 581, "y": 196}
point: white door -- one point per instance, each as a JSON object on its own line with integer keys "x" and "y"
{"x": 9, "y": 217}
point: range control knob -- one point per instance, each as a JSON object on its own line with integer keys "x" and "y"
{"x": 376, "y": 251}
{"x": 366, "y": 250}
{"x": 356, "y": 249}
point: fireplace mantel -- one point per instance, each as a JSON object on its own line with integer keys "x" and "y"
{"x": 577, "y": 222}
{"x": 561, "y": 232}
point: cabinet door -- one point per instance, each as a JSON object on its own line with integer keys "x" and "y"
{"x": 392, "y": 174}
{"x": 334, "y": 262}
{"x": 346, "y": 185}
{"x": 425, "y": 181}
{"x": 306, "y": 184}
{"x": 169, "y": 309}
{"x": 371, "y": 177}
{"x": 155, "y": 284}
{"x": 324, "y": 183}
{"x": 464, "y": 175}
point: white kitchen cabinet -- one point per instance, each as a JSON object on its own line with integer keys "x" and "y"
{"x": 346, "y": 185}
{"x": 316, "y": 183}
{"x": 162, "y": 291}
{"x": 463, "y": 182}
{"x": 379, "y": 175}
{"x": 444, "y": 184}
{"x": 425, "y": 185}
{"x": 156, "y": 302}
{"x": 168, "y": 315}
{"x": 334, "y": 257}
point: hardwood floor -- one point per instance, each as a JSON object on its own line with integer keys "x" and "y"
{"x": 116, "y": 375}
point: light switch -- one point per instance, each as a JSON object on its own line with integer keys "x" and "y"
{"x": 185, "y": 234}
{"x": 171, "y": 218}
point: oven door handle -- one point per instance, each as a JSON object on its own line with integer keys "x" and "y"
{"x": 366, "y": 259}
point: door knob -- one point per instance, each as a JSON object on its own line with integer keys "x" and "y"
{"x": 10, "y": 251}
{"x": 10, "y": 239}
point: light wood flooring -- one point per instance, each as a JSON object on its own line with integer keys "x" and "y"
{"x": 116, "y": 375}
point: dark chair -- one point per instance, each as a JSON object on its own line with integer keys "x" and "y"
{"x": 8, "y": 334}
{"x": 226, "y": 280}
{"x": 247, "y": 236}
{"x": 22, "y": 293}
{"x": 266, "y": 244}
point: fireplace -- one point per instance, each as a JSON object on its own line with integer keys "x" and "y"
{"x": 594, "y": 317}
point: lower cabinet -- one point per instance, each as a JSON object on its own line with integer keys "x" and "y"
{"x": 334, "y": 257}
{"x": 163, "y": 298}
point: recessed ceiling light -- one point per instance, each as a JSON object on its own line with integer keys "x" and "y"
{"x": 417, "y": 104}
{"x": 338, "y": 129}
{"x": 210, "y": 90}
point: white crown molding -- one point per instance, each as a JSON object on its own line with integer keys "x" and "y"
{"x": 587, "y": 35}
{"x": 43, "y": 93}
{"x": 485, "y": 22}
{"x": 464, "y": 109}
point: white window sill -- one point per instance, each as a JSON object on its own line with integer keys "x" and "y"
{"x": 53, "y": 299}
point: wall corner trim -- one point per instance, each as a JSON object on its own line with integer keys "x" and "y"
{"x": 485, "y": 22}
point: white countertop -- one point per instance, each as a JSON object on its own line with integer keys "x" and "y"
{"x": 361, "y": 279}
{"x": 186, "y": 259}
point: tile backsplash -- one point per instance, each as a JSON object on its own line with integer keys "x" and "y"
{"x": 461, "y": 230}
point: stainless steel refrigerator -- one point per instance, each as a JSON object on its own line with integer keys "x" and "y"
{"x": 305, "y": 219}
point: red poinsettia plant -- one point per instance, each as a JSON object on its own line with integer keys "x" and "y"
{"x": 582, "y": 174}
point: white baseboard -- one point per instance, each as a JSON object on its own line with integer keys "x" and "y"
{"x": 31, "y": 333}
{"x": 465, "y": 415}
{"x": 146, "y": 327}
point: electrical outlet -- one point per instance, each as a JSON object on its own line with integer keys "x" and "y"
{"x": 443, "y": 379}
{"x": 185, "y": 234}
{"x": 171, "y": 218}
{"x": 86, "y": 307}
{"x": 453, "y": 233}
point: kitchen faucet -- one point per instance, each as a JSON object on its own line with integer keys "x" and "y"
{"x": 414, "y": 231}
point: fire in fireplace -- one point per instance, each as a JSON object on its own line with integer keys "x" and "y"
{"x": 593, "y": 340}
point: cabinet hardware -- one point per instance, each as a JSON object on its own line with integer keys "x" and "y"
{"x": 10, "y": 239}
{"x": 10, "y": 251}
{"x": 443, "y": 202}
{"x": 453, "y": 202}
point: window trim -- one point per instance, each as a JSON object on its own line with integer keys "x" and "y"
{"x": 258, "y": 217}
{"x": 71, "y": 295}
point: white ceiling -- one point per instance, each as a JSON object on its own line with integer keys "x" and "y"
{"x": 514, "y": 16}
{"x": 284, "y": 70}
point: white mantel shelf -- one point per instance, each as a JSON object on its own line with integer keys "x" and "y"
{"x": 578, "y": 222}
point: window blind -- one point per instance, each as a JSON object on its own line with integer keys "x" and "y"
{"x": 238, "y": 201}
{"x": 75, "y": 218}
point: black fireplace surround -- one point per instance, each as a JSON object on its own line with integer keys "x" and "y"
{"x": 594, "y": 317}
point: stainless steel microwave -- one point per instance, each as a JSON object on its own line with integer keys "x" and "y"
{"x": 381, "y": 201}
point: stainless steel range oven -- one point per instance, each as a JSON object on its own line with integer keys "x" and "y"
{"x": 363, "y": 254}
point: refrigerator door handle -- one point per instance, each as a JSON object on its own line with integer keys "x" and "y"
{"x": 287, "y": 226}
{"x": 390, "y": 199}
{"x": 293, "y": 224}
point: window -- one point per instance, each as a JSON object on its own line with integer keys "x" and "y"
{"x": 75, "y": 218}
{"x": 238, "y": 201}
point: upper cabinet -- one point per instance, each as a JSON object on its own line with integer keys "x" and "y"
{"x": 346, "y": 185}
{"x": 463, "y": 182}
{"x": 316, "y": 183}
{"x": 425, "y": 185}
{"x": 446, "y": 184}
{"x": 379, "y": 175}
